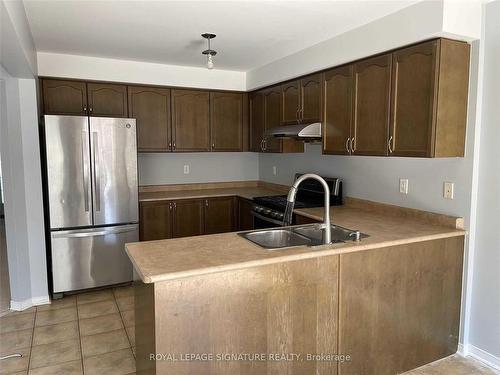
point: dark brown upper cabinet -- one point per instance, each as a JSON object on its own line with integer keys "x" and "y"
{"x": 107, "y": 100}
{"x": 190, "y": 120}
{"x": 188, "y": 218}
{"x": 272, "y": 117}
{"x": 150, "y": 107}
{"x": 429, "y": 100}
{"x": 62, "y": 97}
{"x": 337, "y": 116}
{"x": 256, "y": 112}
{"x": 155, "y": 220}
{"x": 371, "y": 106}
{"x": 301, "y": 100}
{"x": 226, "y": 119}
{"x": 220, "y": 215}
{"x": 291, "y": 102}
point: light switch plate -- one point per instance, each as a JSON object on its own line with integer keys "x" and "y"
{"x": 448, "y": 188}
{"x": 186, "y": 169}
{"x": 275, "y": 171}
{"x": 403, "y": 185}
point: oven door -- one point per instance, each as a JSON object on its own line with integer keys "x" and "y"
{"x": 262, "y": 222}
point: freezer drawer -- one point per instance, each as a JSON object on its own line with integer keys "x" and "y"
{"x": 88, "y": 258}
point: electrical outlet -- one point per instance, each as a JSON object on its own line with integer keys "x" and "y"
{"x": 403, "y": 185}
{"x": 448, "y": 190}
{"x": 275, "y": 171}
{"x": 186, "y": 169}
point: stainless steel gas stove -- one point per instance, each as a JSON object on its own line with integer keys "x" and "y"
{"x": 269, "y": 211}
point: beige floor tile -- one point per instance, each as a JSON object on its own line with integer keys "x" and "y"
{"x": 55, "y": 353}
{"x": 55, "y": 333}
{"x": 91, "y": 310}
{"x": 99, "y": 324}
{"x": 115, "y": 363}
{"x": 104, "y": 343}
{"x": 67, "y": 301}
{"x": 96, "y": 296}
{"x": 31, "y": 310}
{"x": 16, "y": 322}
{"x": 128, "y": 318}
{"x": 11, "y": 341}
{"x": 124, "y": 291}
{"x": 125, "y": 303}
{"x": 15, "y": 364}
{"x": 131, "y": 334}
{"x": 68, "y": 368}
{"x": 133, "y": 351}
{"x": 454, "y": 365}
{"x": 44, "y": 318}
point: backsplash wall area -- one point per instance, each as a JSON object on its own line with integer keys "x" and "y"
{"x": 168, "y": 168}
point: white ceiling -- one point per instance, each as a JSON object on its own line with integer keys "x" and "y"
{"x": 249, "y": 33}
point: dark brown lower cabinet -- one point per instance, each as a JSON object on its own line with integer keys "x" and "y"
{"x": 299, "y": 220}
{"x": 155, "y": 220}
{"x": 219, "y": 215}
{"x": 245, "y": 218}
{"x": 188, "y": 218}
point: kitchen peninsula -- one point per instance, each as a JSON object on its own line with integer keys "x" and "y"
{"x": 386, "y": 304}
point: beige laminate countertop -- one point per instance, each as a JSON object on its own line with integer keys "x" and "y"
{"x": 170, "y": 259}
{"x": 244, "y": 192}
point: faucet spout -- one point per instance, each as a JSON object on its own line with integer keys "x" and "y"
{"x": 326, "y": 214}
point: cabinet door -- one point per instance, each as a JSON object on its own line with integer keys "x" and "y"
{"x": 413, "y": 98}
{"x": 155, "y": 221}
{"x": 291, "y": 102}
{"x": 245, "y": 217}
{"x": 256, "y": 104}
{"x": 151, "y": 108}
{"x": 272, "y": 110}
{"x": 61, "y": 97}
{"x": 190, "y": 120}
{"x": 219, "y": 215}
{"x": 107, "y": 100}
{"x": 226, "y": 123}
{"x": 372, "y": 89}
{"x": 310, "y": 93}
{"x": 337, "y": 95}
{"x": 188, "y": 218}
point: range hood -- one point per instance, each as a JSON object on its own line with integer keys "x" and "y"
{"x": 301, "y": 132}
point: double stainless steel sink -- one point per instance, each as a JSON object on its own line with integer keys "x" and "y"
{"x": 302, "y": 235}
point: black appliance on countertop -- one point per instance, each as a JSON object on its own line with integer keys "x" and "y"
{"x": 268, "y": 211}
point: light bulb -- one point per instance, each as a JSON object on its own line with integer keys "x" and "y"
{"x": 210, "y": 63}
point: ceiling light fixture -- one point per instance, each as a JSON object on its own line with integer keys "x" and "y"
{"x": 209, "y": 52}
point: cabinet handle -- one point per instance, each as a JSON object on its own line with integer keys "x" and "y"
{"x": 84, "y": 108}
{"x": 347, "y": 145}
{"x": 170, "y": 206}
{"x": 90, "y": 109}
{"x": 213, "y": 145}
{"x": 206, "y": 202}
{"x": 389, "y": 145}
{"x": 301, "y": 114}
{"x": 175, "y": 205}
{"x": 169, "y": 145}
{"x": 265, "y": 144}
{"x": 353, "y": 144}
{"x": 173, "y": 146}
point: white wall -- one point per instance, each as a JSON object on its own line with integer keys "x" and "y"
{"x": 96, "y": 68}
{"x": 158, "y": 169}
{"x": 484, "y": 333}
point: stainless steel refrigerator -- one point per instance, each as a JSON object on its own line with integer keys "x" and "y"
{"x": 91, "y": 175}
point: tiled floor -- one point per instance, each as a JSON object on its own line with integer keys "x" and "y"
{"x": 91, "y": 333}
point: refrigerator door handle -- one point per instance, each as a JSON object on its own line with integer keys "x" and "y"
{"x": 97, "y": 172}
{"x": 94, "y": 232}
{"x": 85, "y": 169}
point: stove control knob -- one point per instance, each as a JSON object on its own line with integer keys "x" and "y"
{"x": 267, "y": 211}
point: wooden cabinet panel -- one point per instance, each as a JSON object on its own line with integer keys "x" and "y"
{"x": 190, "y": 120}
{"x": 310, "y": 105}
{"x": 245, "y": 218}
{"x": 372, "y": 89}
{"x": 291, "y": 102}
{"x": 226, "y": 116}
{"x": 107, "y": 100}
{"x": 337, "y": 115}
{"x": 188, "y": 218}
{"x": 150, "y": 106}
{"x": 408, "y": 300}
{"x": 413, "y": 97}
{"x": 256, "y": 110}
{"x": 299, "y": 220}
{"x": 61, "y": 97}
{"x": 155, "y": 220}
{"x": 219, "y": 215}
{"x": 272, "y": 116}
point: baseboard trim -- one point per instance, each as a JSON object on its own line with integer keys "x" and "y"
{"x": 461, "y": 349}
{"x": 27, "y": 303}
{"x": 483, "y": 356}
